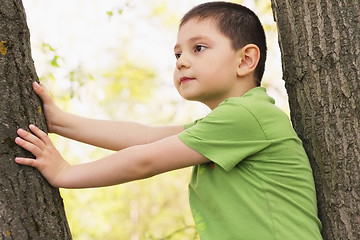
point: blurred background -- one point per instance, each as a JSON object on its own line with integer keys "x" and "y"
{"x": 114, "y": 59}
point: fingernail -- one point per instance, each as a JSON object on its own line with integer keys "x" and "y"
{"x": 32, "y": 126}
{"x": 36, "y": 84}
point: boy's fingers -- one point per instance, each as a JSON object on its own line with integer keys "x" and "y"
{"x": 26, "y": 161}
{"x": 37, "y": 88}
{"x": 41, "y": 91}
{"x": 28, "y": 146}
{"x": 41, "y": 134}
{"x": 29, "y": 137}
{"x": 35, "y": 143}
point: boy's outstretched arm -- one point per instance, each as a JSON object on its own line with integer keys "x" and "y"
{"x": 114, "y": 135}
{"x": 137, "y": 162}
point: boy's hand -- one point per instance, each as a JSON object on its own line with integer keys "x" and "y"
{"x": 51, "y": 111}
{"x": 48, "y": 160}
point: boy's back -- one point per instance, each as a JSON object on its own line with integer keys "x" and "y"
{"x": 261, "y": 185}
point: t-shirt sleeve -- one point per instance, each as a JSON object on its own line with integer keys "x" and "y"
{"x": 229, "y": 134}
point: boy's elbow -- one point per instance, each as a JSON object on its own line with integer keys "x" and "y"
{"x": 157, "y": 157}
{"x": 145, "y": 164}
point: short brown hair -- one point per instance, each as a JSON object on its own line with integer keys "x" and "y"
{"x": 241, "y": 25}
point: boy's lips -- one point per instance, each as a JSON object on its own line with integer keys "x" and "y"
{"x": 185, "y": 79}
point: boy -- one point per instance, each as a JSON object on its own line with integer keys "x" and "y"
{"x": 251, "y": 178}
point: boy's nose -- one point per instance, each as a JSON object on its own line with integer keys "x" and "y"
{"x": 182, "y": 62}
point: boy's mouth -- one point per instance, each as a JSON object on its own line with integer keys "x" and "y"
{"x": 185, "y": 80}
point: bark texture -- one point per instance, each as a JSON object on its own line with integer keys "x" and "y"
{"x": 29, "y": 207}
{"x": 320, "y": 45}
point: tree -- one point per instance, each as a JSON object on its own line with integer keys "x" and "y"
{"x": 29, "y": 207}
{"x": 320, "y": 45}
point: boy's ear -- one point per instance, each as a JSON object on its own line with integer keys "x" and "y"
{"x": 248, "y": 57}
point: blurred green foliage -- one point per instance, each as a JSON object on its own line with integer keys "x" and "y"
{"x": 155, "y": 208}
{"x": 129, "y": 79}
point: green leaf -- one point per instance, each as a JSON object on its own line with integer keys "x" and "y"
{"x": 54, "y": 61}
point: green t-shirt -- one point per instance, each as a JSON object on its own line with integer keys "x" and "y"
{"x": 259, "y": 184}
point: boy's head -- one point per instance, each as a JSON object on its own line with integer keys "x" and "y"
{"x": 238, "y": 23}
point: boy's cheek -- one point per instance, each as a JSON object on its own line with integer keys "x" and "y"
{"x": 176, "y": 78}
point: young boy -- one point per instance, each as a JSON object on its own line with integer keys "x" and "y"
{"x": 251, "y": 177}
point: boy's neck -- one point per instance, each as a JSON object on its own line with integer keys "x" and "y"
{"x": 239, "y": 90}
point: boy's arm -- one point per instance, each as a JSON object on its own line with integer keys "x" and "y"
{"x": 137, "y": 162}
{"x": 114, "y": 135}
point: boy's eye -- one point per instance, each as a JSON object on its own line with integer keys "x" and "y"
{"x": 177, "y": 55}
{"x": 199, "y": 48}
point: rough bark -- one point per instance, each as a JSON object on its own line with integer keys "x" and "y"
{"x": 29, "y": 207}
{"x": 320, "y": 46}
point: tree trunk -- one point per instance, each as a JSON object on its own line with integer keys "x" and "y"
{"x": 29, "y": 207}
{"x": 320, "y": 46}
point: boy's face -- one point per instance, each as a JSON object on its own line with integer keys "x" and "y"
{"x": 206, "y": 63}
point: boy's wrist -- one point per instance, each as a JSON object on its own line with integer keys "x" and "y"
{"x": 62, "y": 178}
{"x": 57, "y": 122}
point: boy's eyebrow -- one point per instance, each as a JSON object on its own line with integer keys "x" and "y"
{"x": 194, "y": 39}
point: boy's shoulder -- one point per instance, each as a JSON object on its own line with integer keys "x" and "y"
{"x": 255, "y": 101}
{"x": 255, "y": 110}
{"x": 252, "y": 97}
